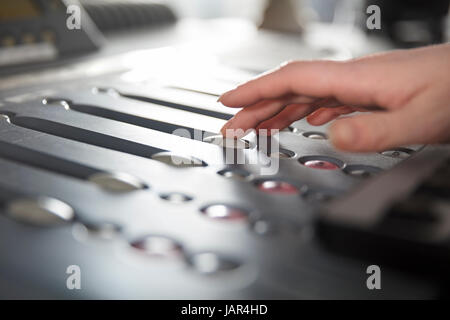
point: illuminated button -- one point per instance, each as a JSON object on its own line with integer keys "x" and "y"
{"x": 225, "y": 212}
{"x": 315, "y": 135}
{"x": 275, "y": 186}
{"x": 229, "y": 143}
{"x": 176, "y": 197}
{"x": 158, "y": 247}
{"x": 238, "y": 174}
{"x": 178, "y": 161}
{"x": 399, "y": 153}
{"x": 283, "y": 154}
{"x": 209, "y": 263}
{"x": 117, "y": 182}
{"x": 361, "y": 170}
{"x": 41, "y": 211}
{"x": 321, "y": 162}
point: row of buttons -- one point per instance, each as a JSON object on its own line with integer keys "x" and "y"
{"x": 315, "y": 162}
{"x": 44, "y": 211}
{"x": 274, "y": 186}
{"x": 399, "y": 153}
{"x": 161, "y": 247}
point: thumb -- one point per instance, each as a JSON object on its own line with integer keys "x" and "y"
{"x": 375, "y": 132}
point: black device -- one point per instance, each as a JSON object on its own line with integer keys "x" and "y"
{"x": 407, "y": 227}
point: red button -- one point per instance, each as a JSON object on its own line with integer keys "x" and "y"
{"x": 224, "y": 212}
{"x": 158, "y": 246}
{"x": 321, "y": 164}
{"x": 273, "y": 186}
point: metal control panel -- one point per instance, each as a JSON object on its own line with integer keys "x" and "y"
{"x": 94, "y": 175}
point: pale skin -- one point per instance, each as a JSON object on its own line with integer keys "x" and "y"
{"x": 404, "y": 94}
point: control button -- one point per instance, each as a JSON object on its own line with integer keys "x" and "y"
{"x": 294, "y": 129}
{"x": 117, "y": 182}
{"x": 57, "y": 102}
{"x": 321, "y": 162}
{"x": 315, "y": 135}
{"x": 158, "y": 247}
{"x": 238, "y": 174}
{"x": 362, "y": 171}
{"x": 229, "y": 143}
{"x": 178, "y": 161}
{"x": 41, "y": 211}
{"x": 398, "y": 153}
{"x": 276, "y": 186}
{"x": 109, "y": 91}
{"x": 209, "y": 263}
{"x": 4, "y": 117}
{"x": 176, "y": 197}
{"x": 225, "y": 212}
{"x": 283, "y": 154}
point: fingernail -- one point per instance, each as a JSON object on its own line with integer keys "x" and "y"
{"x": 222, "y": 131}
{"x": 343, "y": 134}
{"x": 224, "y": 128}
{"x": 223, "y": 95}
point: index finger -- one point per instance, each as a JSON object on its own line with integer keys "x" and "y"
{"x": 309, "y": 78}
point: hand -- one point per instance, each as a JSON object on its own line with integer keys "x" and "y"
{"x": 407, "y": 93}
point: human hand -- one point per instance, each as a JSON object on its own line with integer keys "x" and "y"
{"x": 407, "y": 93}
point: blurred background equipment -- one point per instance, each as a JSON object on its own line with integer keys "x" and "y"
{"x": 123, "y": 15}
{"x": 281, "y": 16}
{"x": 36, "y": 31}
